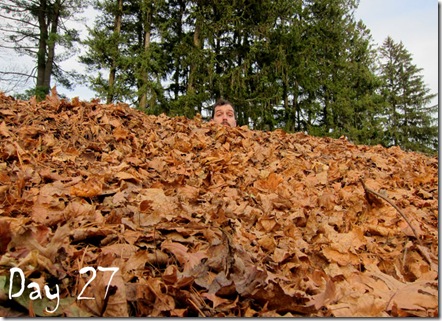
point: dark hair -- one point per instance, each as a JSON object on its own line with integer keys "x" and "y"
{"x": 222, "y": 102}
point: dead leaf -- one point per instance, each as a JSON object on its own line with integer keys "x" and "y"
{"x": 187, "y": 259}
{"x": 92, "y": 187}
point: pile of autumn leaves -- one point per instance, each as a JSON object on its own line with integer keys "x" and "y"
{"x": 204, "y": 220}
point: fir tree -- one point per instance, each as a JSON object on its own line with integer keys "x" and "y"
{"x": 408, "y": 119}
{"x": 37, "y": 29}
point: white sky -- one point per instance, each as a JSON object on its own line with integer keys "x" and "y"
{"x": 414, "y": 22}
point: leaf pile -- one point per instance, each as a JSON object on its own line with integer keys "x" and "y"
{"x": 205, "y": 220}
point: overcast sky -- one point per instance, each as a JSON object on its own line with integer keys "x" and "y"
{"x": 414, "y": 22}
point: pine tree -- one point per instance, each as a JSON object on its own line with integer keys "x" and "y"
{"x": 187, "y": 64}
{"x": 409, "y": 121}
{"x": 124, "y": 48}
{"x": 336, "y": 74}
{"x": 106, "y": 51}
{"x": 37, "y": 29}
{"x": 360, "y": 96}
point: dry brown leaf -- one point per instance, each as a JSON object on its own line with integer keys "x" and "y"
{"x": 4, "y": 130}
{"x": 187, "y": 259}
{"x": 5, "y": 235}
{"x": 92, "y": 187}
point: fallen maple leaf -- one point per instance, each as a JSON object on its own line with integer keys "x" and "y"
{"x": 92, "y": 187}
{"x": 5, "y": 235}
{"x": 187, "y": 259}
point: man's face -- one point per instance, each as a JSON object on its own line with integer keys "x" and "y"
{"x": 225, "y": 115}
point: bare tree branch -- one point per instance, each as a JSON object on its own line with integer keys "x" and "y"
{"x": 16, "y": 73}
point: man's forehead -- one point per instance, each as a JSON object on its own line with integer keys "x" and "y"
{"x": 226, "y": 107}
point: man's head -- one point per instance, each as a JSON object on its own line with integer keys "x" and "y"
{"x": 224, "y": 113}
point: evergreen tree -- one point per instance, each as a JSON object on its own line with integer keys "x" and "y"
{"x": 184, "y": 41}
{"x": 409, "y": 121}
{"x": 286, "y": 46}
{"x": 336, "y": 74}
{"x": 125, "y": 44}
{"x": 360, "y": 102}
{"x": 105, "y": 51}
{"x": 35, "y": 29}
{"x": 247, "y": 57}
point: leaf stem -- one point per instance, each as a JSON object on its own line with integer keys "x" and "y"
{"x": 370, "y": 191}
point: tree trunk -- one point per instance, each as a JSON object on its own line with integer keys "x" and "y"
{"x": 40, "y": 89}
{"x": 46, "y": 46}
{"x": 179, "y": 32}
{"x": 145, "y": 77}
{"x": 113, "y": 69}
{"x": 51, "y": 43}
{"x": 197, "y": 46}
